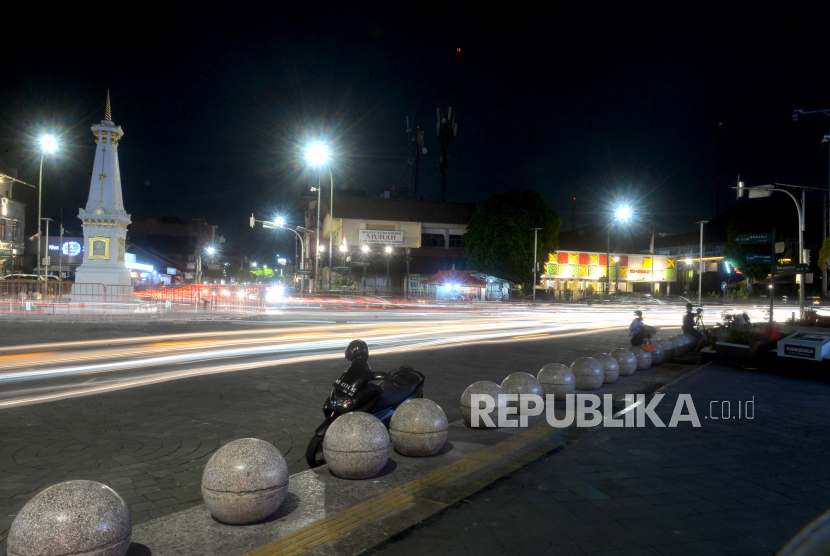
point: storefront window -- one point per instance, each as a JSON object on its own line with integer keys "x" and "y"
{"x": 432, "y": 240}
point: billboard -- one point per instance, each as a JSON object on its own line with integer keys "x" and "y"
{"x": 383, "y": 237}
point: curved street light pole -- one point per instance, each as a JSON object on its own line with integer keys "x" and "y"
{"x": 331, "y": 225}
{"x": 825, "y": 208}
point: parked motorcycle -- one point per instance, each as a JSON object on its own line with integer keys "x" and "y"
{"x": 362, "y": 389}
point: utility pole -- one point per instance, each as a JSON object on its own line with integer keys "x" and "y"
{"x": 573, "y": 214}
{"x": 447, "y": 130}
{"x": 717, "y": 179}
{"x": 700, "y": 266}
{"x": 535, "y": 248}
{"x": 416, "y": 149}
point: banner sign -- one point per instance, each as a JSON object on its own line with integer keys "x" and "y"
{"x": 754, "y": 239}
{"x": 383, "y": 237}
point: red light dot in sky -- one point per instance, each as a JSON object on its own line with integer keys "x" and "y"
{"x": 458, "y": 49}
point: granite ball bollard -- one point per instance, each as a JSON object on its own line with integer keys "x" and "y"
{"x": 658, "y": 355}
{"x": 485, "y": 388}
{"x": 692, "y": 341}
{"x": 668, "y": 349}
{"x": 419, "y": 428}
{"x": 626, "y": 360}
{"x": 588, "y": 373}
{"x": 356, "y": 446}
{"x": 643, "y": 357}
{"x": 75, "y": 517}
{"x": 557, "y": 380}
{"x": 522, "y": 384}
{"x": 610, "y": 367}
{"x": 245, "y": 481}
{"x": 679, "y": 343}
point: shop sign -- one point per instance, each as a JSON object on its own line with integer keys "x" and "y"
{"x": 383, "y": 237}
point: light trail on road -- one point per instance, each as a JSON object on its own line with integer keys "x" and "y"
{"x": 133, "y": 362}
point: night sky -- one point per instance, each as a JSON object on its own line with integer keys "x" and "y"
{"x": 602, "y": 101}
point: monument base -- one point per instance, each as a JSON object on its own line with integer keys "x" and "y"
{"x": 90, "y": 277}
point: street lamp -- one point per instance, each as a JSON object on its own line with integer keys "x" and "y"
{"x": 318, "y": 154}
{"x": 766, "y": 191}
{"x": 365, "y": 250}
{"x": 388, "y": 251}
{"x": 48, "y": 144}
{"x": 826, "y": 208}
{"x": 700, "y": 274}
{"x": 279, "y": 222}
{"x": 535, "y": 248}
{"x": 623, "y": 214}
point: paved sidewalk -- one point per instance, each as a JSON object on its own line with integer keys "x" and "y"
{"x": 737, "y": 486}
{"x": 151, "y": 443}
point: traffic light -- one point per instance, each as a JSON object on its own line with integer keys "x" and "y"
{"x": 253, "y": 221}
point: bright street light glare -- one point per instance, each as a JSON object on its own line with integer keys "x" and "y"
{"x": 343, "y": 247}
{"x": 317, "y": 153}
{"x": 388, "y": 249}
{"x": 210, "y": 250}
{"x": 624, "y": 213}
{"x": 279, "y": 221}
{"x": 48, "y": 143}
{"x": 321, "y": 248}
{"x": 365, "y": 248}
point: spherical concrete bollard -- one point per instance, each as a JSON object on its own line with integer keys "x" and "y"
{"x": 679, "y": 343}
{"x": 75, "y": 517}
{"x": 588, "y": 373}
{"x": 668, "y": 349}
{"x": 626, "y": 360}
{"x": 658, "y": 355}
{"x": 419, "y": 428}
{"x": 356, "y": 446}
{"x": 486, "y": 388}
{"x": 557, "y": 380}
{"x": 522, "y": 384}
{"x": 692, "y": 341}
{"x": 643, "y": 357}
{"x": 245, "y": 481}
{"x": 610, "y": 367}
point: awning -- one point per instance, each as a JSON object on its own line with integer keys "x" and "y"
{"x": 453, "y": 277}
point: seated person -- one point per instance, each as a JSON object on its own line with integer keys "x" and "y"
{"x": 689, "y": 327}
{"x": 742, "y": 318}
{"x": 641, "y": 333}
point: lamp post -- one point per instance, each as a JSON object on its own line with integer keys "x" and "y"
{"x": 279, "y": 222}
{"x": 535, "y": 248}
{"x": 365, "y": 250}
{"x": 49, "y": 259}
{"x": 388, "y": 251}
{"x": 316, "y": 278}
{"x": 824, "y": 208}
{"x": 700, "y": 266}
{"x": 766, "y": 191}
{"x": 623, "y": 214}
{"x": 48, "y": 144}
{"x": 317, "y": 153}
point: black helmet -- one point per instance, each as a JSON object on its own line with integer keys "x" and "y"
{"x": 357, "y": 351}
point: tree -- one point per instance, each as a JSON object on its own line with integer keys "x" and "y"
{"x": 735, "y": 253}
{"x": 824, "y": 254}
{"x": 499, "y": 240}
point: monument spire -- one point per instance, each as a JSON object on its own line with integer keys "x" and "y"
{"x": 104, "y": 219}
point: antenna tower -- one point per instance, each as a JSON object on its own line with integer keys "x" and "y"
{"x": 447, "y": 130}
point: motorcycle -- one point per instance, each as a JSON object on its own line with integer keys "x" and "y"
{"x": 362, "y": 389}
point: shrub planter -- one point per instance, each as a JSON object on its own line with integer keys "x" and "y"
{"x": 732, "y": 354}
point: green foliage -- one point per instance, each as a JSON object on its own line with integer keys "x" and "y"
{"x": 824, "y": 254}
{"x": 743, "y": 334}
{"x": 738, "y": 289}
{"x": 714, "y": 294}
{"x": 263, "y": 272}
{"x": 498, "y": 240}
{"x": 589, "y": 289}
{"x": 736, "y": 254}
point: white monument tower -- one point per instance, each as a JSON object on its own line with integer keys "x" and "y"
{"x": 105, "y": 221}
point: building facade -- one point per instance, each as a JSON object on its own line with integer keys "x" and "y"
{"x": 12, "y": 242}
{"x": 629, "y": 272}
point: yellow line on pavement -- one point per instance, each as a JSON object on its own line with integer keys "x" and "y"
{"x": 337, "y": 525}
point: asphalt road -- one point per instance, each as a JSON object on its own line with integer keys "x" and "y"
{"x": 143, "y": 409}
